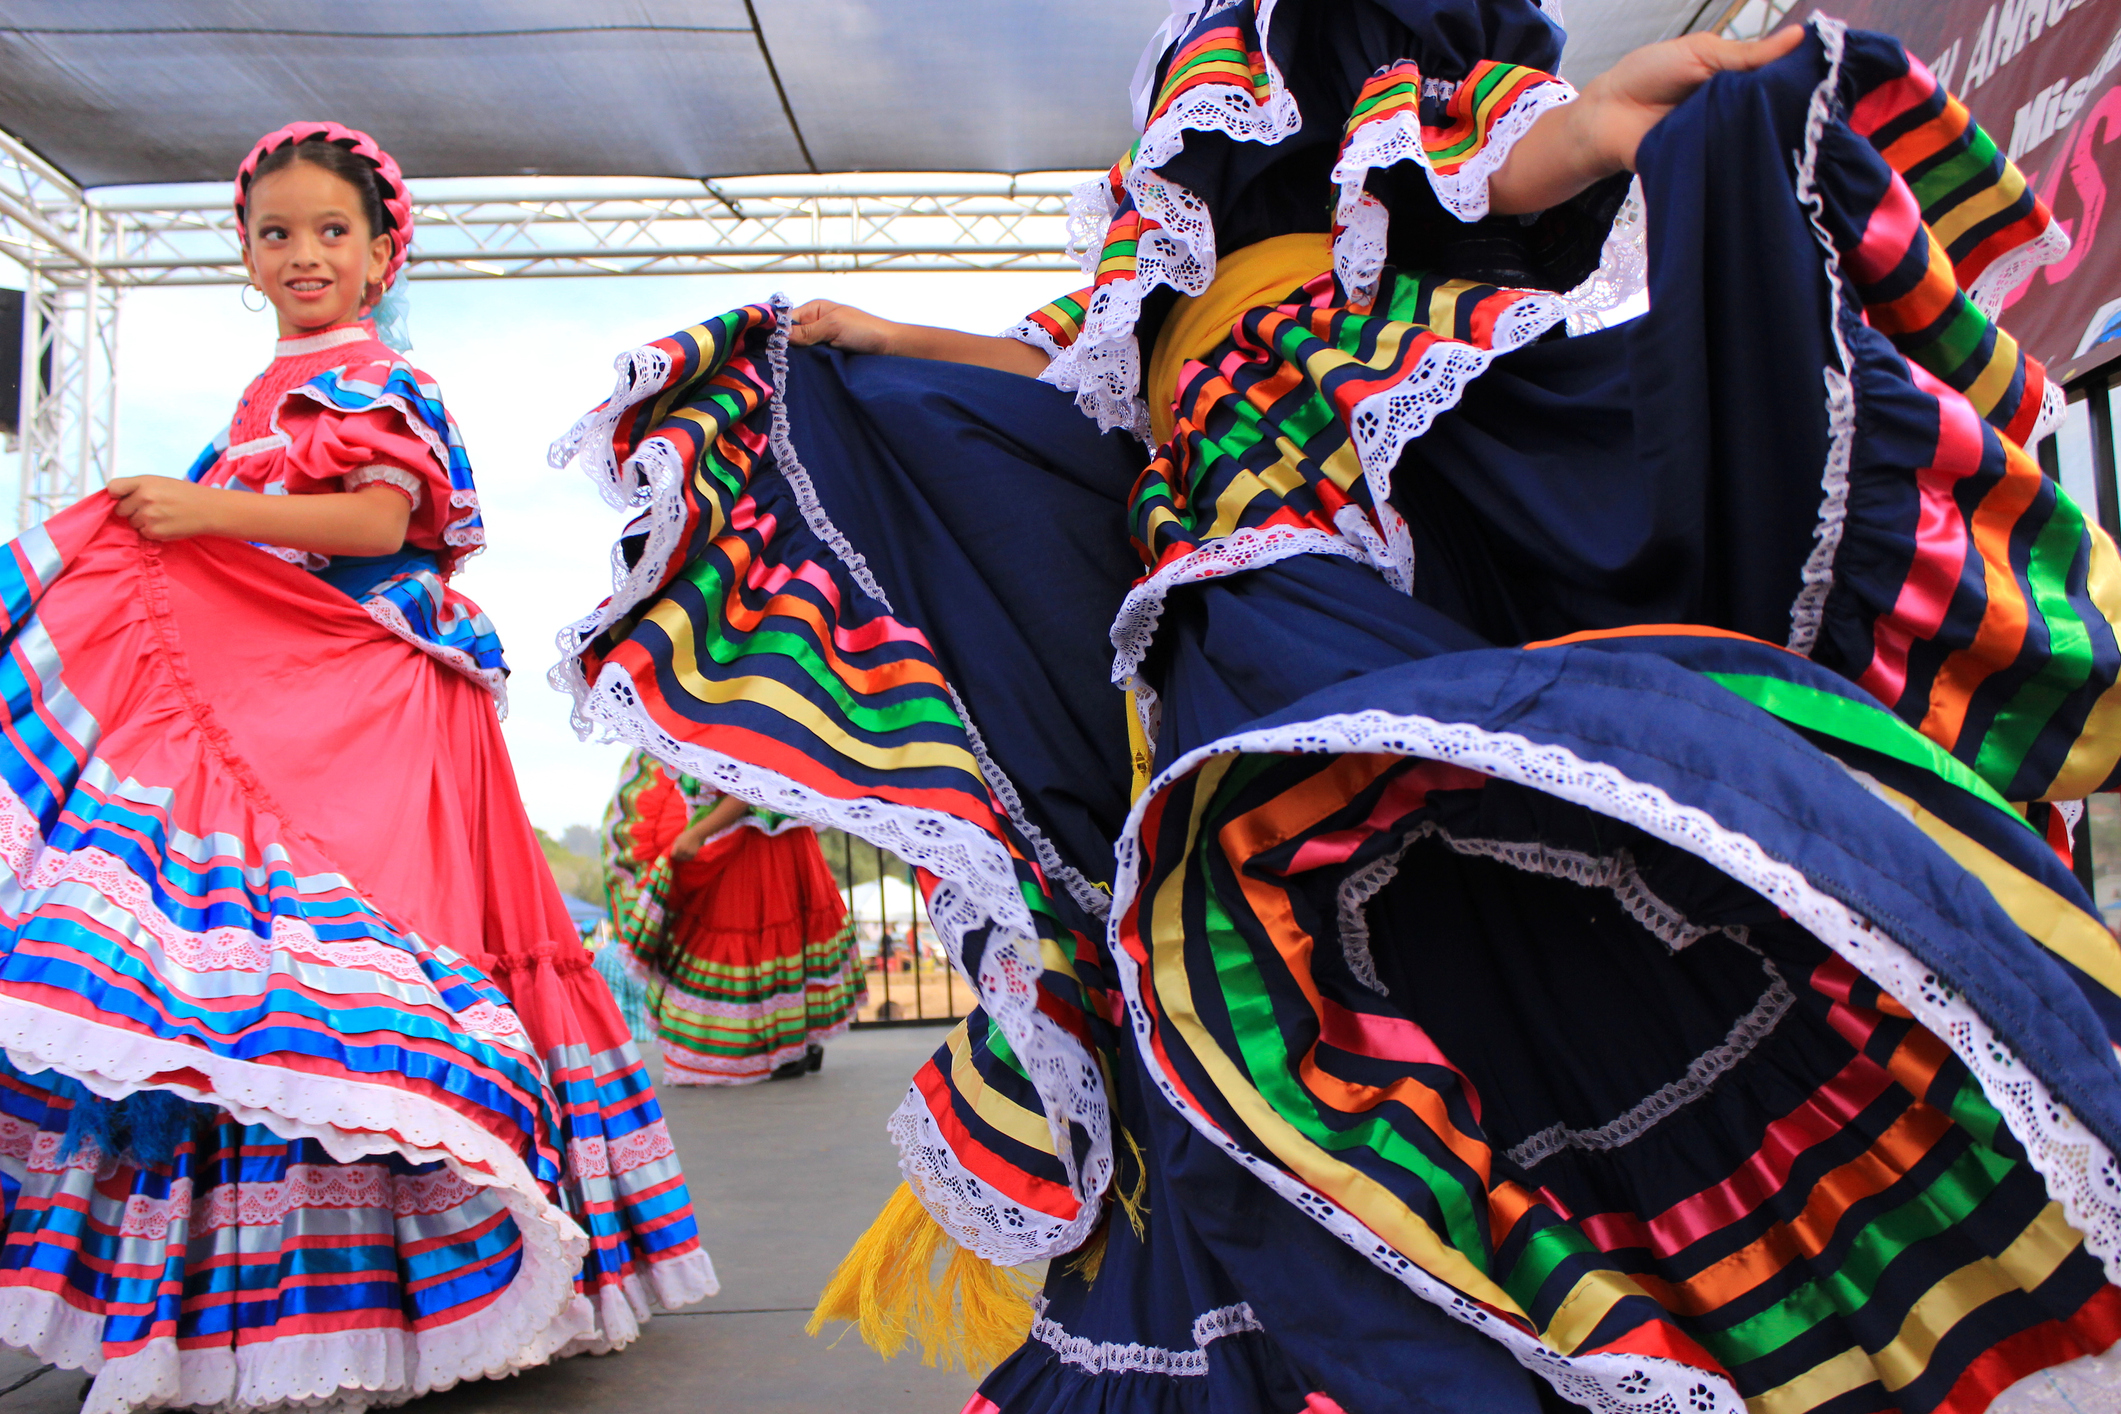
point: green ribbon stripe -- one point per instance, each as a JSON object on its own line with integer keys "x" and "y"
{"x": 1265, "y": 1055}
{"x": 1970, "y": 1109}
{"x": 1956, "y": 352}
{"x": 998, "y": 1046}
{"x": 1483, "y": 120}
{"x": 1976, "y": 160}
{"x": 930, "y": 708}
{"x": 1388, "y": 93}
{"x": 1860, "y": 725}
{"x": 1225, "y": 51}
{"x": 1846, "y": 1290}
{"x": 2020, "y": 725}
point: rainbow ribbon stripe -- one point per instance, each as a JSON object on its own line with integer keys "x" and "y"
{"x": 753, "y": 643}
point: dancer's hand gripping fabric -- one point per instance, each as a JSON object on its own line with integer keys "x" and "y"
{"x": 1589, "y": 140}
{"x": 370, "y": 521}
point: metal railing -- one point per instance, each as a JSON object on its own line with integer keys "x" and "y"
{"x": 911, "y": 977}
{"x": 2082, "y": 457}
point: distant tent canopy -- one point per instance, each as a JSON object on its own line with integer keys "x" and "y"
{"x": 885, "y": 900}
{"x": 584, "y": 915}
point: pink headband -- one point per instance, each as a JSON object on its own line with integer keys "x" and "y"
{"x": 390, "y": 182}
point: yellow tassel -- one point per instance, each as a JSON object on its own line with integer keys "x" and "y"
{"x": 1134, "y": 1198}
{"x": 1139, "y": 758}
{"x": 972, "y": 1314}
{"x": 1089, "y": 1259}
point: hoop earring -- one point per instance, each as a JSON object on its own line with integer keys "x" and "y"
{"x": 248, "y": 290}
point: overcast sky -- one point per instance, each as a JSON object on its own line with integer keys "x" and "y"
{"x": 518, "y": 360}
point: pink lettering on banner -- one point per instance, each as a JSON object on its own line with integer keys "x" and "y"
{"x": 2040, "y": 77}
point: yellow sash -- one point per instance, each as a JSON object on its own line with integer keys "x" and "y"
{"x": 1263, "y": 273}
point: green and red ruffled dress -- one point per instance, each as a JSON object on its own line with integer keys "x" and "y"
{"x": 743, "y": 948}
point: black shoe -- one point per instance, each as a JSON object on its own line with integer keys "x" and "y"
{"x": 793, "y": 1070}
{"x": 814, "y": 1057}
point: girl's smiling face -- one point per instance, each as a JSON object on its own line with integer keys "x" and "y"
{"x": 310, "y": 249}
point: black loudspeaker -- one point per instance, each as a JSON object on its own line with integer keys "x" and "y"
{"x": 10, "y": 360}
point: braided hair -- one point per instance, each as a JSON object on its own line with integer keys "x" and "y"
{"x": 336, "y": 158}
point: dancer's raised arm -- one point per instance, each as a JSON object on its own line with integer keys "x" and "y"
{"x": 1579, "y": 143}
{"x": 858, "y": 331}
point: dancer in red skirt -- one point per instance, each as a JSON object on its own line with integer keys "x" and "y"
{"x": 734, "y": 923}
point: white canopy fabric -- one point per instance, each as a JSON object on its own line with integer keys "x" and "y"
{"x": 1600, "y": 31}
{"x": 116, "y": 91}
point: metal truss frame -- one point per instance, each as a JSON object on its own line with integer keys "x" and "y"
{"x": 742, "y": 226}
{"x": 66, "y": 421}
{"x": 82, "y": 251}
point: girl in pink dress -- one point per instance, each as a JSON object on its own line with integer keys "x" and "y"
{"x": 308, "y": 1093}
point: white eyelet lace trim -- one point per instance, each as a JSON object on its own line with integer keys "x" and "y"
{"x": 978, "y": 886}
{"x": 1381, "y": 427}
{"x": 1746, "y": 1034}
{"x": 2054, "y": 406}
{"x": 1134, "y": 627}
{"x": 1359, "y": 251}
{"x": 1149, "y": 715}
{"x": 977, "y": 890}
{"x": 1038, "y": 336}
{"x": 300, "y": 559}
{"x": 1086, "y": 894}
{"x": 1226, "y": 109}
{"x": 2081, "y": 1173}
{"x": 1623, "y": 268}
{"x": 351, "y": 1121}
{"x": 978, "y": 1216}
{"x": 492, "y": 679}
{"x": 1184, "y": 15}
{"x": 387, "y": 475}
{"x": 1808, "y": 612}
{"x": 1361, "y": 244}
{"x": 1105, "y": 1357}
{"x": 1619, "y": 874}
{"x": 1090, "y": 212}
{"x": 2014, "y": 268}
{"x": 660, "y": 475}
{"x": 792, "y": 470}
{"x": 537, "y": 1315}
{"x": 1360, "y": 248}
{"x": 1103, "y": 366}
{"x": 1383, "y": 423}
{"x": 651, "y": 481}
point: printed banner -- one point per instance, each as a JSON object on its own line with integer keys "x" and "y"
{"x": 2040, "y": 76}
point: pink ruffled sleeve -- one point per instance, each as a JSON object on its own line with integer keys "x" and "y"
{"x": 330, "y": 450}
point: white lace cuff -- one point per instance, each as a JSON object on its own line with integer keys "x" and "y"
{"x": 391, "y": 476}
{"x": 1029, "y": 331}
{"x": 1361, "y": 220}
